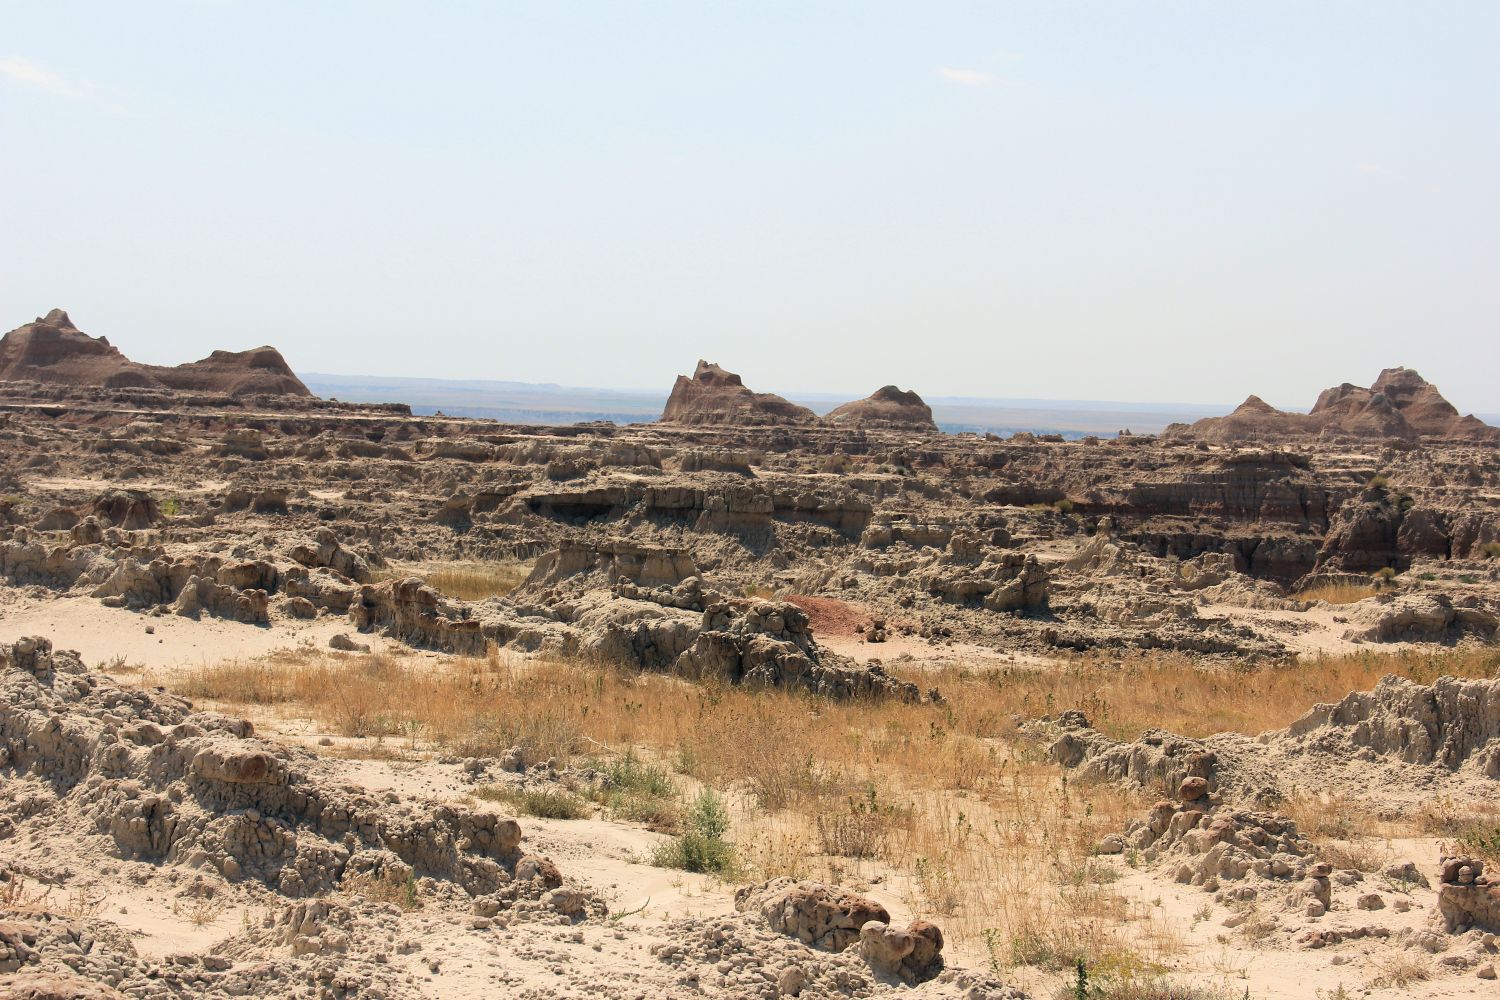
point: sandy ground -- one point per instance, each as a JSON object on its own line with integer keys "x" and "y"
{"x": 101, "y": 634}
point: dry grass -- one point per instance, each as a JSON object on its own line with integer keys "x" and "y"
{"x": 465, "y": 581}
{"x": 1400, "y": 969}
{"x": 967, "y": 822}
{"x": 17, "y": 895}
{"x": 546, "y": 803}
{"x": 1337, "y": 593}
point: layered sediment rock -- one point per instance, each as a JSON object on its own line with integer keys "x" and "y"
{"x": 52, "y": 349}
{"x": 1399, "y": 405}
{"x": 887, "y": 408}
{"x": 713, "y": 396}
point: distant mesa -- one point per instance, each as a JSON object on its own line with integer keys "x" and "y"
{"x": 1400, "y": 404}
{"x": 888, "y": 408}
{"x": 714, "y": 396}
{"x": 51, "y": 349}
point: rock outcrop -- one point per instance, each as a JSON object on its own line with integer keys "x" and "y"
{"x": 1400, "y": 404}
{"x": 165, "y": 783}
{"x": 52, "y": 349}
{"x": 888, "y": 408}
{"x": 714, "y": 396}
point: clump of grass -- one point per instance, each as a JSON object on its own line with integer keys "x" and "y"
{"x": 1400, "y": 969}
{"x": 474, "y": 580}
{"x": 701, "y": 846}
{"x": 1337, "y": 593}
{"x": 640, "y": 792}
{"x": 545, "y": 803}
{"x": 390, "y": 889}
{"x": 1379, "y": 482}
{"x": 862, "y": 829}
{"x": 1490, "y": 550}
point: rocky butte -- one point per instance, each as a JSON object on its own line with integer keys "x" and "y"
{"x": 51, "y": 349}
{"x": 1400, "y": 404}
{"x": 716, "y": 396}
{"x": 888, "y": 408}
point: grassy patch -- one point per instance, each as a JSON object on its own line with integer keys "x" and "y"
{"x": 466, "y": 581}
{"x": 1337, "y": 593}
{"x": 547, "y": 803}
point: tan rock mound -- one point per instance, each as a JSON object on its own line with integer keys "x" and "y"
{"x": 1400, "y": 404}
{"x": 715, "y": 396}
{"x": 51, "y": 349}
{"x": 887, "y": 408}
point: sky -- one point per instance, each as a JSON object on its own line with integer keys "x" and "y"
{"x": 1140, "y": 201}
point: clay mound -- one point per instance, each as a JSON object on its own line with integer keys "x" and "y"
{"x": 51, "y": 349}
{"x": 888, "y": 408}
{"x": 715, "y": 396}
{"x": 1400, "y": 404}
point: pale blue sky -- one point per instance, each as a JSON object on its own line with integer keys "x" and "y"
{"x": 1136, "y": 201}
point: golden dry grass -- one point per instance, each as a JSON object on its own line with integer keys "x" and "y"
{"x": 474, "y": 580}
{"x": 1337, "y": 593}
{"x": 967, "y": 823}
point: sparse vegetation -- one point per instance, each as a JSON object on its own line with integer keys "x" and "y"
{"x": 1337, "y": 593}
{"x": 1379, "y": 482}
{"x": 546, "y": 803}
{"x": 1400, "y": 969}
{"x": 1490, "y": 550}
{"x": 980, "y": 832}
{"x": 465, "y": 581}
{"x": 701, "y": 846}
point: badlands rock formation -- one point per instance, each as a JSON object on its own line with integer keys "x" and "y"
{"x": 889, "y": 408}
{"x": 715, "y": 397}
{"x": 51, "y": 349}
{"x": 1400, "y": 405}
{"x": 736, "y": 549}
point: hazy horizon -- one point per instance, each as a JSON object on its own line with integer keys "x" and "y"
{"x": 1091, "y": 201}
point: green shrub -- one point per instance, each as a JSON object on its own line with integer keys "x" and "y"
{"x": 1379, "y": 482}
{"x": 1063, "y": 506}
{"x": 701, "y": 847}
{"x": 1482, "y": 840}
{"x": 1385, "y": 575}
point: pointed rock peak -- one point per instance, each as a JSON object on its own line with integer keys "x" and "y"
{"x": 1254, "y": 404}
{"x": 711, "y": 374}
{"x": 57, "y": 318}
